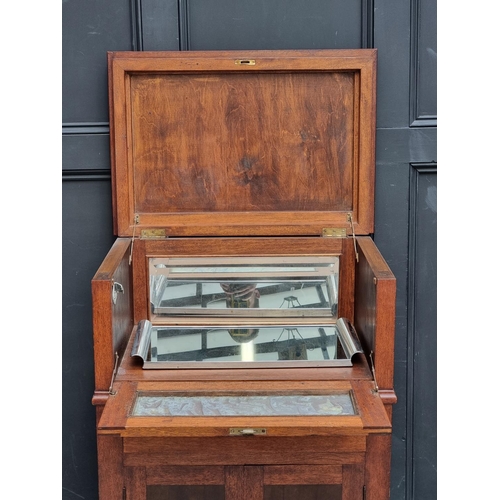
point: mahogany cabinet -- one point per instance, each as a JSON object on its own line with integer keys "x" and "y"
{"x": 244, "y": 318}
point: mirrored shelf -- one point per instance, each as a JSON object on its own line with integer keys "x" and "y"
{"x": 236, "y": 286}
{"x": 249, "y": 346}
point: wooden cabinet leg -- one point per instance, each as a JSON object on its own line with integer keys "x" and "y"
{"x": 378, "y": 467}
{"x": 110, "y": 456}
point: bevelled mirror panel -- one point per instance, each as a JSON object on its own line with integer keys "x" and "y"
{"x": 237, "y": 286}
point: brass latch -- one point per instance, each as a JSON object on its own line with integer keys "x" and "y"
{"x": 245, "y": 431}
{"x": 245, "y": 62}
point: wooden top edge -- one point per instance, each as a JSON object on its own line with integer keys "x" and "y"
{"x": 116, "y": 253}
{"x": 267, "y": 60}
{"x": 369, "y": 53}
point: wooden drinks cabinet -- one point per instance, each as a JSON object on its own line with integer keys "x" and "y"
{"x": 244, "y": 318}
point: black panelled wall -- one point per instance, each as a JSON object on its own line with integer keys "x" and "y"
{"x": 404, "y": 32}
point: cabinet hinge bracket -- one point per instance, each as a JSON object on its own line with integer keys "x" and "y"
{"x": 153, "y": 234}
{"x": 334, "y": 232}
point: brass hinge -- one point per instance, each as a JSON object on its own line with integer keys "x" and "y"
{"x": 136, "y": 221}
{"x": 153, "y": 234}
{"x": 334, "y": 232}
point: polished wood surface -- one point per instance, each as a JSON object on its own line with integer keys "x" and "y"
{"x": 298, "y": 246}
{"x": 110, "y": 463}
{"x": 135, "y": 479}
{"x": 378, "y": 467}
{"x": 244, "y": 483}
{"x": 353, "y": 482}
{"x": 184, "y": 475}
{"x": 215, "y": 163}
{"x": 302, "y": 474}
{"x": 346, "y": 280}
{"x": 208, "y": 147}
{"x": 375, "y": 313}
{"x": 112, "y": 323}
{"x": 313, "y": 450}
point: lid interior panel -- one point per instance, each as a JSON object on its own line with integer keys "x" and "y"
{"x": 203, "y": 145}
{"x": 240, "y": 142}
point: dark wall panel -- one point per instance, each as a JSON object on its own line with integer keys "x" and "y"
{"x": 422, "y": 334}
{"x": 424, "y": 63}
{"x": 391, "y": 237}
{"x": 88, "y": 235}
{"x": 90, "y": 29}
{"x": 160, "y": 25}
{"x": 85, "y": 152}
{"x": 274, "y": 24}
{"x": 391, "y": 32}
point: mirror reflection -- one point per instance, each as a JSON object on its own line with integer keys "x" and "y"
{"x": 171, "y": 346}
{"x": 278, "y": 286}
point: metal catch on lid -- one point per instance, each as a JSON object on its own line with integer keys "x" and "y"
{"x": 247, "y": 431}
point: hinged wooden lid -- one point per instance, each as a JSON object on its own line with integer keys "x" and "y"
{"x": 243, "y": 143}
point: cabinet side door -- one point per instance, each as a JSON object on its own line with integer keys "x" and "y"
{"x": 375, "y": 310}
{"x": 112, "y": 313}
